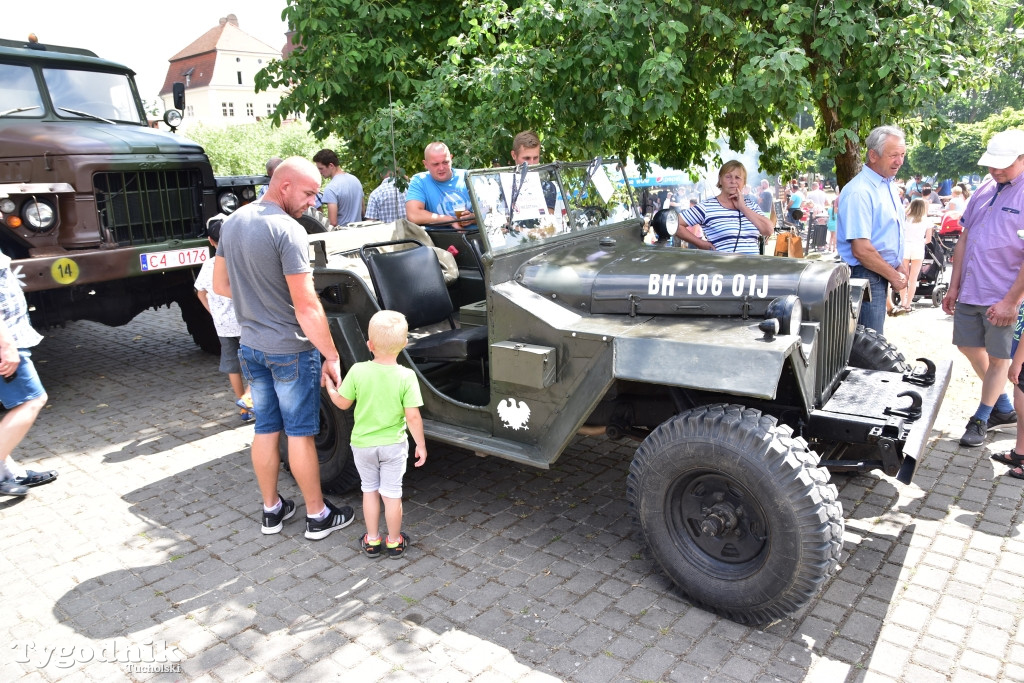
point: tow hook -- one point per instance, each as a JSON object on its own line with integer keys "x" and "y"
{"x": 924, "y": 379}
{"x": 911, "y": 412}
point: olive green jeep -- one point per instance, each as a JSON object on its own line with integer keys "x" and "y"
{"x": 745, "y": 379}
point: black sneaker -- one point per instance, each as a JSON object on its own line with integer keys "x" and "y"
{"x": 273, "y": 522}
{"x": 398, "y": 550}
{"x": 371, "y": 548}
{"x": 337, "y": 518}
{"x": 974, "y": 435}
{"x": 997, "y": 418}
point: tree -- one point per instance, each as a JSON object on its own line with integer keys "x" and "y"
{"x": 244, "y": 149}
{"x": 625, "y": 77}
{"x": 962, "y": 146}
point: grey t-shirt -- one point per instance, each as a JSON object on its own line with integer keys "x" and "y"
{"x": 261, "y": 244}
{"x": 346, "y": 191}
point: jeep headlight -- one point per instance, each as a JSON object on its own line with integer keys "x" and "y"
{"x": 788, "y": 311}
{"x": 248, "y": 193}
{"x": 228, "y": 202}
{"x": 38, "y": 215}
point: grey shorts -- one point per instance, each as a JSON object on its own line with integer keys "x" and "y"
{"x": 971, "y": 328}
{"x": 229, "y": 356}
{"x": 381, "y": 468}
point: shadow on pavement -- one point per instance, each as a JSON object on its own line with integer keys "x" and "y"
{"x": 536, "y": 569}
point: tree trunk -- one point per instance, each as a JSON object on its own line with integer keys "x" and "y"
{"x": 848, "y": 164}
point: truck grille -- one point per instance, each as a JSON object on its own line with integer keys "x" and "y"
{"x": 137, "y": 208}
{"x": 834, "y": 333}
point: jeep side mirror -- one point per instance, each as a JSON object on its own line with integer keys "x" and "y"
{"x": 178, "y": 92}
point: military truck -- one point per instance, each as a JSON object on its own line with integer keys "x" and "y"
{"x": 745, "y": 379}
{"x": 104, "y": 216}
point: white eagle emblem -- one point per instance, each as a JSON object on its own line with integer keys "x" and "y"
{"x": 514, "y": 414}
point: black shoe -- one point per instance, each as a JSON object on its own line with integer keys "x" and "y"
{"x": 997, "y": 418}
{"x": 273, "y": 522}
{"x": 371, "y": 549}
{"x": 33, "y": 478}
{"x": 337, "y": 518}
{"x": 974, "y": 435}
{"x": 8, "y": 487}
{"x": 398, "y": 550}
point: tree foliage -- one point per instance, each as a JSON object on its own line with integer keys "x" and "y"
{"x": 244, "y": 149}
{"x": 655, "y": 81}
{"x": 962, "y": 146}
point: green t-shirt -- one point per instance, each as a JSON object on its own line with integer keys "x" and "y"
{"x": 382, "y": 393}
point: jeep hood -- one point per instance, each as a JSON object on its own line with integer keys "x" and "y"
{"x": 60, "y": 138}
{"x": 669, "y": 281}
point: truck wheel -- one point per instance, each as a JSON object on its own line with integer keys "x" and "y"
{"x": 871, "y": 351}
{"x": 199, "y": 323}
{"x": 338, "y": 472}
{"x": 736, "y": 512}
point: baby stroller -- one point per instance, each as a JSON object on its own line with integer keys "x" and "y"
{"x": 933, "y": 280}
{"x": 949, "y": 231}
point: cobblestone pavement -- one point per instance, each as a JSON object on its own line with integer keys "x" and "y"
{"x": 148, "y": 546}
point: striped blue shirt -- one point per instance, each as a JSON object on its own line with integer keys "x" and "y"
{"x": 727, "y": 229}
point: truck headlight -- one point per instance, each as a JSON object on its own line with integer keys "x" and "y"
{"x": 228, "y": 202}
{"x": 38, "y": 215}
{"x": 248, "y": 193}
{"x": 7, "y": 205}
{"x": 788, "y": 311}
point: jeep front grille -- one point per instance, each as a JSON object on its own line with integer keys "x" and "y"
{"x": 834, "y": 331}
{"x": 144, "y": 207}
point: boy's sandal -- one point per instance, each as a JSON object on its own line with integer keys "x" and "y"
{"x": 398, "y": 550}
{"x": 371, "y": 549}
{"x": 1011, "y": 459}
{"x": 1017, "y": 472}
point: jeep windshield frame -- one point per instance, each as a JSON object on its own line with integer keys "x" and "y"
{"x": 549, "y": 201}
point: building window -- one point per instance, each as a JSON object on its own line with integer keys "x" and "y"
{"x": 270, "y": 109}
{"x": 239, "y": 78}
{"x": 250, "y": 111}
{"x": 227, "y": 108}
{"x": 189, "y": 110}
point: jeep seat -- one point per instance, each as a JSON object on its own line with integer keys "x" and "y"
{"x": 411, "y": 282}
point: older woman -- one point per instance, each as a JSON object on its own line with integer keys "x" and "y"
{"x": 731, "y": 222}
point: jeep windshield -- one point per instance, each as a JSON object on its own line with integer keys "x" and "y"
{"x": 547, "y": 201}
{"x": 94, "y": 95}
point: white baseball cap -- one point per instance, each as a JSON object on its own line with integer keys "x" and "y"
{"x": 1003, "y": 149}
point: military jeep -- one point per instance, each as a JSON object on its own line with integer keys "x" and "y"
{"x": 744, "y": 379}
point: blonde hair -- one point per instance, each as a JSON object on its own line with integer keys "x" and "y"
{"x": 731, "y": 166}
{"x": 958, "y": 190}
{"x": 918, "y": 210}
{"x": 388, "y": 332}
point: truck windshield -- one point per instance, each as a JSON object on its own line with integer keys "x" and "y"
{"x": 548, "y": 200}
{"x": 92, "y": 94}
{"x": 21, "y": 94}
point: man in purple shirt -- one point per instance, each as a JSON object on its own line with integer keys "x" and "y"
{"x": 987, "y": 284}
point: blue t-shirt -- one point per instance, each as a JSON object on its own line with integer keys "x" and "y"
{"x": 870, "y": 208}
{"x": 440, "y": 198}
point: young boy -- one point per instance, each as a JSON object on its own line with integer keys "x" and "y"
{"x": 228, "y": 329}
{"x": 387, "y": 400}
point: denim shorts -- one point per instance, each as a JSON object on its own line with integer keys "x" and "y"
{"x": 229, "y": 355}
{"x": 285, "y": 390}
{"x": 381, "y": 468}
{"x": 24, "y": 386}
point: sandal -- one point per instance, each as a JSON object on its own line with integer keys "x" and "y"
{"x": 1017, "y": 472}
{"x": 1011, "y": 459}
{"x": 397, "y": 550}
{"x": 371, "y": 548}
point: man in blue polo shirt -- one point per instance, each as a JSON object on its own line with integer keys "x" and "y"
{"x": 439, "y": 194}
{"x": 869, "y": 230}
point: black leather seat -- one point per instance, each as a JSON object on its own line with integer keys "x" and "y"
{"x": 410, "y": 281}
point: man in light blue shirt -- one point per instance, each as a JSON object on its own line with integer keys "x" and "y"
{"x": 439, "y": 194}
{"x": 869, "y": 229}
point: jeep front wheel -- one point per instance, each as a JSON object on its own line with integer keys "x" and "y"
{"x": 736, "y": 512}
{"x": 338, "y": 472}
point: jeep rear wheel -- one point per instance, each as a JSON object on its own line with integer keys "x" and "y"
{"x": 736, "y": 512}
{"x": 338, "y": 472}
{"x": 872, "y": 351}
